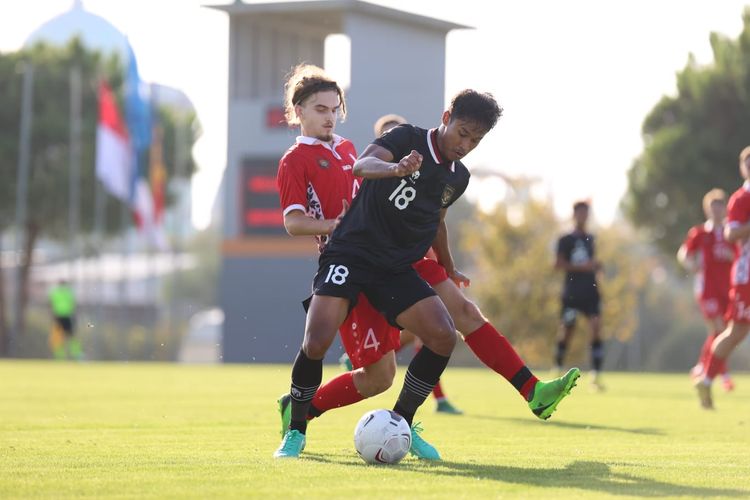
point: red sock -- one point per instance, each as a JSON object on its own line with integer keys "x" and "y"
{"x": 437, "y": 391}
{"x": 715, "y": 366}
{"x": 494, "y": 350}
{"x": 706, "y": 349}
{"x": 337, "y": 392}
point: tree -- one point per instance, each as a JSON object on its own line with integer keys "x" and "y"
{"x": 49, "y": 178}
{"x": 692, "y": 142}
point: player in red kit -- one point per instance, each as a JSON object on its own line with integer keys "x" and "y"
{"x": 709, "y": 255}
{"x": 737, "y": 231}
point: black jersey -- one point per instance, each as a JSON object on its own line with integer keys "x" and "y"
{"x": 578, "y": 249}
{"x": 392, "y": 222}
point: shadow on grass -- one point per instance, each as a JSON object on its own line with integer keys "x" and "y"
{"x": 574, "y": 425}
{"x": 584, "y": 475}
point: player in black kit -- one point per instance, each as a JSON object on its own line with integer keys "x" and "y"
{"x": 412, "y": 175}
{"x": 576, "y": 256}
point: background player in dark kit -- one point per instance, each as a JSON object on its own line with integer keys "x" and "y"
{"x": 576, "y": 257}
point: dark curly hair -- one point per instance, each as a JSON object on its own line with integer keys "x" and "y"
{"x": 479, "y": 107}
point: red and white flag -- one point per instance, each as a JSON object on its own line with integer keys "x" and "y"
{"x": 114, "y": 162}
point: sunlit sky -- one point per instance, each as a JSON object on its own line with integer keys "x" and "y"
{"x": 576, "y": 78}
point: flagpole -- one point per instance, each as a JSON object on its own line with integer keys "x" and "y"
{"x": 24, "y": 160}
{"x": 101, "y": 286}
{"x": 74, "y": 187}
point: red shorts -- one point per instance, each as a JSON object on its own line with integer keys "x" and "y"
{"x": 366, "y": 334}
{"x": 430, "y": 271}
{"x": 714, "y": 307}
{"x": 739, "y": 304}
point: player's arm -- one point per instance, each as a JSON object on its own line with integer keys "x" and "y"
{"x": 687, "y": 259}
{"x": 734, "y": 232}
{"x": 298, "y": 223}
{"x": 443, "y": 252}
{"x": 564, "y": 264}
{"x": 376, "y": 162}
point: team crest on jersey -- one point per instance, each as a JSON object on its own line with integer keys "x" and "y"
{"x": 323, "y": 163}
{"x": 448, "y": 191}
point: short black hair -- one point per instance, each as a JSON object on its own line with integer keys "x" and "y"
{"x": 479, "y": 107}
{"x": 581, "y": 205}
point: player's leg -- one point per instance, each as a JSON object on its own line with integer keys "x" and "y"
{"x": 74, "y": 345}
{"x": 497, "y": 353}
{"x": 726, "y": 378}
{"x": 324, "y": 316}
{"x": 568, "y": 315}
{"x": 597, "y": 352}
{"x": 407, "y": 338}
{"x": 442, "y": 404}
{"x": 738, "y": 315}
{"x": 723, "y": 346}
{"x": 369, "y": 341}
{"x": 430, "y": 322}
{"x": 57, "y": 339}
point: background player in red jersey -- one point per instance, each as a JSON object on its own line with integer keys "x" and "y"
{"x": 707, "y": 253}
{"x": 737, "y": 231}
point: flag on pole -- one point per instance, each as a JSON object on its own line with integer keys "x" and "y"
{"x": 113, "y": 152}
{"x": 138, "y": 115}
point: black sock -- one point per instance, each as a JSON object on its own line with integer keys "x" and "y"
{"x": 306, "y": 377}
{"x": 597, "y": 355}
{"x": 423, "y": 373}
{"x": 560, "y": 356}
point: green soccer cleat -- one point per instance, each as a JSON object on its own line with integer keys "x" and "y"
{"x": 421, "y": 448}
{"x": 346, "y": 363}
{"x": 285, "y": 412}
{"x": 291, "y": 446}
{"x": 444, "y": 406}
{"x": 547, "y": 395}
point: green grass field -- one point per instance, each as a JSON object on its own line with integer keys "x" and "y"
{"x": 154, "y": 430}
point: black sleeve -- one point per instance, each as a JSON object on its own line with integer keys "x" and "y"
{"x": 398, "y": 140}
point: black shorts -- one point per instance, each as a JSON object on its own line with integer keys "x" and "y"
{"x": 589, "y": 305}
{"x": 66, "y": 323}
{"x": 390, "y": 293}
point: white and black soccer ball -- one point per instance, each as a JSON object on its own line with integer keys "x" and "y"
{"x": 382, "y": 437}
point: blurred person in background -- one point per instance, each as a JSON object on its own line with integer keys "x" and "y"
{"x": 576, "y": 257}
{"x": 736, "y": 231}
{"x": 62, "y": 334}
{"x": 706, "y": 253}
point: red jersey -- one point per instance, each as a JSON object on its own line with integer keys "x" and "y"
{"x": 316, "y": 177}
{"x": 716, "y": 257}
{"x": 738, "y": 213}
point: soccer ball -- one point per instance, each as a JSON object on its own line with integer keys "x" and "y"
{"x": 382, "y": 437}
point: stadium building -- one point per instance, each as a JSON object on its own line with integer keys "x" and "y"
{"x": 396, "y": 65}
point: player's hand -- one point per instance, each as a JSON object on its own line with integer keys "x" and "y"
{"x": 459, "y": 278}
{"x": 408, "y": 165}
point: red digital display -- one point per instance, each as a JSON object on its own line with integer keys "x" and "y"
{"x": 260, "y": 208}
{"x": 275, "y": 117}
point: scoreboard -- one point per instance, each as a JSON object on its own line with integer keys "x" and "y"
{"x": 261, "y": 210}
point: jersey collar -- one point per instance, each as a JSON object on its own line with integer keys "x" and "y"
{"x": 746, "y": 185}
{"x": 312, "y": 141}
{"x": 434, "y": 150}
